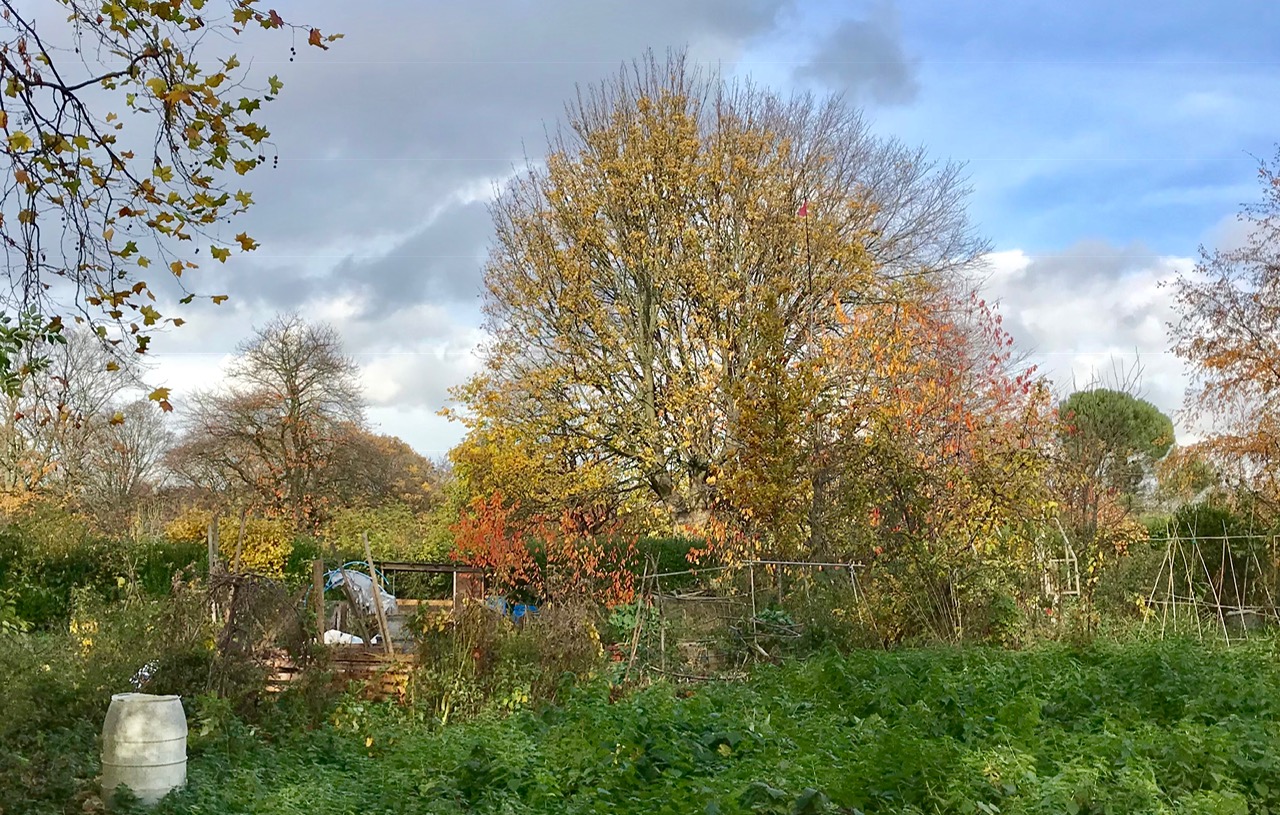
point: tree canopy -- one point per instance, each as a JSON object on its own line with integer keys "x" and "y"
{"x": 271, "y": 436}
{"x": 710, "y": 303}
{"x": 1115, "y": 435}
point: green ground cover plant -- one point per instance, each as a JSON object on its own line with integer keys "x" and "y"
{"x": 1154, "y": 727}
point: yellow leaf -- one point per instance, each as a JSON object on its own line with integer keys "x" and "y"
{"x": 113, "y": 366}
{"x": 218, "y": 299}
{"x": 158, "y": 395}
{"x": 157, "y": 86}
{"x": 247, "y": 243}
{"x": 19, "y": 141}
{"x": 220, "y": 253}
{"x": 118, "y": 418}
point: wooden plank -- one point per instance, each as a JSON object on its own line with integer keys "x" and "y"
{"x": 376, "y": 590}
{"x": 381, "y": 675}
{"x": 431, "y": 568}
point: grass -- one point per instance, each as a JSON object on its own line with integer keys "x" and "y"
{"x": 1148, "y": 727}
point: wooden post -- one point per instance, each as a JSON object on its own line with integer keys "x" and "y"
{"x": 235, "y": 564}
{"x": 317, "y": 589}
{"x": 211, "y": 540}
{"x": 377, "y": 596}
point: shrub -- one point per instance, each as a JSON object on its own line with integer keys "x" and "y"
{"x": 57, "y": 685}
{"x": 46, "y": 553}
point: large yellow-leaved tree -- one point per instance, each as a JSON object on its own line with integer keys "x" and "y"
{"x": 665, "y": 293}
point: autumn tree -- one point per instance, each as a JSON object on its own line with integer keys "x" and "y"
{"x": 935, "y": 474}
{"x": 125, "y": 126}
{"x": 373, "y": 469}
{"x": 271, "y": 435}
{"x": 660, "y": 291}
{"x": 123, "y": 462}
{"x": 1228, "y": 332}
{"x": 52, "y": 419}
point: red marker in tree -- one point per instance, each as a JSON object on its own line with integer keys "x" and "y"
{"x": 804, "y": 210}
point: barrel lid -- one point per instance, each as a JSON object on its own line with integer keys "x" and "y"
{"x": 141, "y": 697}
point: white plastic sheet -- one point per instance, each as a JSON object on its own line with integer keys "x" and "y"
{"x": 362, "y": 589}
{"x": 335, "y": 637}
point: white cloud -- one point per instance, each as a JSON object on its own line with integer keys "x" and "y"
{"x": 1095, "y": 311}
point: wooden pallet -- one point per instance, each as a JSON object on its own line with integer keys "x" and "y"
{"x": 381, "y": 675}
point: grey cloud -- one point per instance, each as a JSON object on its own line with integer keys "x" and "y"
{"x": 421, "y": 379}
{"x": 441, "y": 262}
{"x": 1086, "y": 262}
{"x": 420, "y": 98}
{"x": 866, "y": 58}
{"x": 1086, "y": 276}
{"x": 417, "y": 102}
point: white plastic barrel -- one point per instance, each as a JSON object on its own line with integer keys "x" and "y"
{"x": 144, "y": 745}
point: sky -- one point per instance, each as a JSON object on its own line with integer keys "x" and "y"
{"x": 1104, "y": 143}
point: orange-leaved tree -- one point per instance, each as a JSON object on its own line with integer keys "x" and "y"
{"x": 559, "y": 559}
{"x": 943, "y": 450}
{"x": 1229, "y": 334}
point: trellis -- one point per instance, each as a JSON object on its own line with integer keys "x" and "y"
{"x": 1228, "y": 598}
